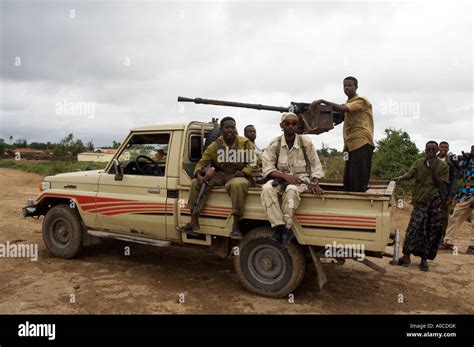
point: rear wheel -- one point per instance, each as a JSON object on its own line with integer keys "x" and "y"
{"x": 62, "y": 231}
{"x": 264, "y": 269}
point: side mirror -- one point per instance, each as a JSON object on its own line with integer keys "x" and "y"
{"x": 118, "y": 170}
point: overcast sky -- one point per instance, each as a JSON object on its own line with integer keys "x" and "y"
{"x": 98, "y": 69}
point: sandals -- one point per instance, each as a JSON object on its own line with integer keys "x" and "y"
{"x": 236, "y": 234}
{"x": 424, "y": 266}
{"x": 188, "y": 229}
{"x": 276, "y": 236}
{"x": 446, "y": 247}
{"x": 403, "y": 262}
{"x": 286, "y": 239}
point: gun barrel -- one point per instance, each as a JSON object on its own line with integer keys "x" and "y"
{"x": 233, "y": 104}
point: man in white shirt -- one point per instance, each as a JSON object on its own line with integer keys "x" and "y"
{"x": 293, "y": 167}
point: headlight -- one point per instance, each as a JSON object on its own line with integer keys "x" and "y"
{"x": 44, "y": 185}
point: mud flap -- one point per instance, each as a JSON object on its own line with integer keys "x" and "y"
{"x": 396, "y": 248}
{"x": 321, "y": 278}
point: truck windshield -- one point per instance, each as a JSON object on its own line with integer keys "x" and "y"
{"x": 154, "y": 146}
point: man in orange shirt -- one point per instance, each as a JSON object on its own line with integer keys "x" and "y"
{"x": 358, "y": 135}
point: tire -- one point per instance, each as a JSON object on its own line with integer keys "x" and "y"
{"x": 62, "y": 232}
{"x": 264, "y": 269}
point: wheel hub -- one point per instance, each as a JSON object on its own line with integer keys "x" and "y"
{"x": 61, "y": 233}
{"x": 267, "y": 264}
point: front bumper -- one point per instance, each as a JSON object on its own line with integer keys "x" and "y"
{"x": 29, "y": 211}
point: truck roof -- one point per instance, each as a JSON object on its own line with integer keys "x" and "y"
{"x": 177, "y": 126}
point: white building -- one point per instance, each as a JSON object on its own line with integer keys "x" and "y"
{"x": 99, "y": 155}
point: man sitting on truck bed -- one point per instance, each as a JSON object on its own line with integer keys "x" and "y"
{"x": 293, "y": 166}
{"x": 233, "y": 163}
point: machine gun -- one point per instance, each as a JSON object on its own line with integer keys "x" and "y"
{"x": 323, "y": 118}
{"x": 200, "y": 198}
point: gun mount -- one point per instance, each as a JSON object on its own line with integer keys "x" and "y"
{"x": 323, "y": 118}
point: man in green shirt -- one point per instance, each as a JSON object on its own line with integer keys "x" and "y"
{"x": 425, "y": 226}
{"x": 231, "y": 158}
{"x": 358, "y": 133}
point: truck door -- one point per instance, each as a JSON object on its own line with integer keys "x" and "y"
{"x": 137, "y": 204}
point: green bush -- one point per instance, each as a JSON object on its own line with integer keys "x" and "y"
{"x": 393, "y": 156}
{"x": 334, "y": 167}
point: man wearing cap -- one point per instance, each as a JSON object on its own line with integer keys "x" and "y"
{"x": 358, "y": 135}
{"x": 291, "y": 163}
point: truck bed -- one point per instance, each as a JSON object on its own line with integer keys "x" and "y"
{"x": 337, "y": 216}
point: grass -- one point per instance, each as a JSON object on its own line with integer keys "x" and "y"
{"x": 48, "y": 168}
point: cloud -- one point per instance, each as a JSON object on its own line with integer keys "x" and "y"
{"x": 132, "y": 59}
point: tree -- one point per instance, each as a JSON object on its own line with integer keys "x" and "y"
{"x": 37, "y": 145}
{"x": 77, "y": 147}
{"x": 59, "y": 150}
{"x": 334, "y": 152}
{"x": 324, "y": 151}
{"x": 68, "y": 140}
{"x": 21, "y": 143}
{"x": 115, "y": 144}
{"x": 327, "y": 151}
{"x": 90, "y": 146}
{"x": 393, "y": 156}
{"x": 11, "y": 139}
{"x": 2, "y": 147}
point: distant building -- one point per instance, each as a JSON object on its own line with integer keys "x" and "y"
{"x": 100, "y": 155}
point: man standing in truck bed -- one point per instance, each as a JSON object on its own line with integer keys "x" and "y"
{"x": 358, "y": 135}
{"x": 293, "y": 166}
{"x": 231, "y": 159}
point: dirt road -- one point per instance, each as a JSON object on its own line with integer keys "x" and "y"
{"x": 151, "y": 280}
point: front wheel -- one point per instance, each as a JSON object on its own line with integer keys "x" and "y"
{"x": 264, "y": 269}
{"x": 62, "y": 232}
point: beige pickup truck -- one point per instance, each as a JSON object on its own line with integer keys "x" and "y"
{"x": 141, "y": 196}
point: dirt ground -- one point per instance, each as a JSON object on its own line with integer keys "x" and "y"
{"x": 151, "y": 280}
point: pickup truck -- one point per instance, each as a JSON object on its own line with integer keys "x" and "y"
{"x": 141, "y": 196}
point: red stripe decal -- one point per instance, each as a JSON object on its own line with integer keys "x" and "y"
{"x": 336, "y": 216}
{"x": 99, "y": 208}
{"x": 120, "y": 204}
{"x": 341, "y": 225}
{"x": 322, "y": 220}
{"x": 132, "y": 211}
